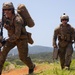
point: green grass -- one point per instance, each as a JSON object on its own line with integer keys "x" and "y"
{"x": 54, "y": 69}
{"x": 6, "y": 64}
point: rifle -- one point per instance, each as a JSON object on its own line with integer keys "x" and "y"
{"x": 2, "y": 40}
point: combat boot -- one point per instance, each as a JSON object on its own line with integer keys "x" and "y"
{"x": 0, "y": 69}
{"x": 31, "y": 70}
{"x": 67, "y": 68}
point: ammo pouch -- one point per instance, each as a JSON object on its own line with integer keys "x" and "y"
{"x": 30, "y": 40}
{"x": 61, "y": 37}
{"x": 68, "y": 37}
{"x": 28, "y": 37}
{"x": 63, "y": 43}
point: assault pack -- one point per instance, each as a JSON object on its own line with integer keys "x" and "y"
{"x": 23, "y": 12}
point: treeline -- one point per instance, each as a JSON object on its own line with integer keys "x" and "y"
{"x": 39, "y": 58}
{"x": 42, "y": 57}
{"x": 36, "y": 58}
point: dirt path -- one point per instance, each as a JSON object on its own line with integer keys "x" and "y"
{"x": 16, "y": 72}
{"x": 21, "y": 71}
{"x": 24, "y": 70}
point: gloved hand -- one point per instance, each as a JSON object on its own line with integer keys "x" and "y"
{"x": 55, "y": 46}
{"x": 1, "y": 38}
{"x": 7, "y": 27}
{"x": 3, "y": 42}
{"x": 0, "y": 45}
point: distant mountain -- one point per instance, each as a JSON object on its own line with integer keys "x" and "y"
{"x": 39, "y": 49}
{"x": 34, "y": 49}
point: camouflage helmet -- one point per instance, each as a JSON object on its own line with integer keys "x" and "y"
{"x": 64, "y": 16}
{"x": 8, "y": 5}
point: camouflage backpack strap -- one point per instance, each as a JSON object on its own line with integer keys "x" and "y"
{"x": 71, "y": 32}
{"x": 69, "y": 28}
{"x": 59, "y": 32}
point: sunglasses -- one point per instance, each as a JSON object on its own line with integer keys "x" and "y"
{"x": 64, "y": 19}
{"x": 7, "y": 9}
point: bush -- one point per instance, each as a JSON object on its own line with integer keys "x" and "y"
{"x": 6, "y": 64}
{"x": 18, "y": 62}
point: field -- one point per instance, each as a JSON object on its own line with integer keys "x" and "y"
{"x": 43, "y": 68}
{"x": 44, "y": 65}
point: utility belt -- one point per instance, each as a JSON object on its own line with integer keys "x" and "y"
{"x": 64, "y": 40}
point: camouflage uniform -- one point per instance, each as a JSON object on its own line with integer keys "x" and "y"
{"x": 17, "y": 37}
{"x": 65, "y": 35}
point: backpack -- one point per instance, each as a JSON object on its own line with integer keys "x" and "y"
{"x": 23, "y": 12}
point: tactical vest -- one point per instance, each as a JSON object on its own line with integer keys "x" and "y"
{"x": 24, "y": 33}
{"x": 29, "y": 38}
{"x": 64, "y": 35}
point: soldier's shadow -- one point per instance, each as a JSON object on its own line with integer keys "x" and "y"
{"x": 34, "y": 73}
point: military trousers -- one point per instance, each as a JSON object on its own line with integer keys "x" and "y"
{"x": 65, "y": 55}
{"x": 22, "y": 47}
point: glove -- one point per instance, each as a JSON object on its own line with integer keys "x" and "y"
{"x": 55, "y": 46}
{"x": 0, "y": 45}
{"x": 1, "y": 38}
{"x": 7, "y": 27}
{"x": 3, "y": 42}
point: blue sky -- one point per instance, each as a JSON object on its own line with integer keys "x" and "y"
{"x": 46, "y": 15}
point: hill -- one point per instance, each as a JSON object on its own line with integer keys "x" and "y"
{"x": 39, "y": 49}
{"x": 34, "y": 50}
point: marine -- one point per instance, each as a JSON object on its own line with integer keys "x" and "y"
{"x": 17, "y": 36}
{"x": 65, "y": 35}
